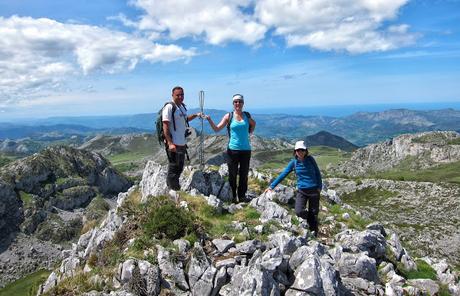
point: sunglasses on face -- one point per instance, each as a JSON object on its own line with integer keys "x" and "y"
{"x": 301, "y": 150}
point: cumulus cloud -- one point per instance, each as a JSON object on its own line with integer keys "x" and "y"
{"x": 331, "y": 25}
{"x": 38, "y": 54}
{"x": 218, "y": 21}
{"x": 353, "y": 26}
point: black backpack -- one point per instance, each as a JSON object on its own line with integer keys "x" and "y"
{"x": 159, "y": 122}
{"x": 230, "y": 117}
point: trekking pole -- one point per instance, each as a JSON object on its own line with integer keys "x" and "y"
{"x": 201, "y": 147}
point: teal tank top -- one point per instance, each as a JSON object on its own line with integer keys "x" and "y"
{"x": 239, "y": 134}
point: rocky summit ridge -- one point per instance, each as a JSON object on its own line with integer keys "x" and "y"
{"x": 287, "y": 261}
{"x": 420, "y": 150}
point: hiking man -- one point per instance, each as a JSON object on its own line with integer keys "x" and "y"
{"x": 175, "y": 127}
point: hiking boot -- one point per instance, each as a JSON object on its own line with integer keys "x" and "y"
{"x": 304, "y": 224}
{"x": 174, "y": 195}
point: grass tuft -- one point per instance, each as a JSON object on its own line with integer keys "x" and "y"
{"x": 423, "y": 271}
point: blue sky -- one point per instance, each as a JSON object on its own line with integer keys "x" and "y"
{"x": 105, "y": 57}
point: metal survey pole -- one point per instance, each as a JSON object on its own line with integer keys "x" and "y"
{"x": 201, "y": 148}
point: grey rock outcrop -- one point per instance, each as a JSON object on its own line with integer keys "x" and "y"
{"x": 172, "y": 272}
{"x": 153, "y": 180}
{"x": 426, "y": 149}
{"x": 370, "y": 241}
{"x": 423, "y": 214}
{"x": 11, "y": 214}
{"x": 208, "y": 182}
{"x": 271, "y": 210}
{"x": 314, "y": 277}
{"x": 47, "y": 176}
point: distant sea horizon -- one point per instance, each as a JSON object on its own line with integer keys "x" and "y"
{"x": 345, "y": 110}
{"x": 326, "y": 110}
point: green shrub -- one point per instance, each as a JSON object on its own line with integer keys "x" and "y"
{"x": 169, "y": 221}
{"x": 4, "y": 161}
{"x": 455, "y": 141}
{"x": 26, "y": 198}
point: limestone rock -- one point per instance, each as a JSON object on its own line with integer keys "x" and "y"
{"x": 153, "y": 180}
{"x": 171, "y": 272}
{"x": 369, "y": 241}
{"x": 425, "y": 285}
{"x": 358, "y": 265}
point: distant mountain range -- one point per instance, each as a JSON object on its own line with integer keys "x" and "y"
{"x": 361, "y": 128}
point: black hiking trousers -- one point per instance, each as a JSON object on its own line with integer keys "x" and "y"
{"x": 238, "y": 164}
{"x": 311, "y": 215}
{"x": 175, "y": 167}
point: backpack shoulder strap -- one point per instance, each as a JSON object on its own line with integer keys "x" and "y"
{"x": 248, "y": 115}
{"x": 174, "y": 107}
{"x": 230, "y": 117}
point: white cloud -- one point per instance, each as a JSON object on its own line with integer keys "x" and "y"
{"x": 353, "y": 26}
{"x": 39, "y": 54}
{"x": 218, "y": 21}
{"x": 332, "y": 25}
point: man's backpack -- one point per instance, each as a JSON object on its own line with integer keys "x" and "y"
{"x": 230, "y": 117}
{"x": 159, "y": 122}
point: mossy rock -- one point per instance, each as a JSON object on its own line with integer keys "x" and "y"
{"x": 97, "y": 208}
{"x": 57, "y": 230}
{"x": 65, "y": 183}
{"x": 32, "y": 218}
{"x": 73, "y": 197}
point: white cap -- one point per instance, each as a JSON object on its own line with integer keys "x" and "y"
{"x": 238, "y": 97}
{"x": 300, "y": 145}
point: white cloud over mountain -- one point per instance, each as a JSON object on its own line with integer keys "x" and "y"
{"x": 37, "y": 54}
{"x": 217, "y": 21}
{"x": 331, "y": 25}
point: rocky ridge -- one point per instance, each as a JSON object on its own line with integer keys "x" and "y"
{"x": 424, "y": 150}
{"x": 425, "y": 215}
{"x": 39, "y": 200}
{"x": 288, "y": 262}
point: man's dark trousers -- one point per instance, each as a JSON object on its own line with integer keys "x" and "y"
{"x": 175, "y": 167}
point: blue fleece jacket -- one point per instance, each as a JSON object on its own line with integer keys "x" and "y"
{"x": 307, "y": 171}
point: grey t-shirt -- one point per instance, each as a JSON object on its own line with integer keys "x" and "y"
{"x": 178, "y": 135}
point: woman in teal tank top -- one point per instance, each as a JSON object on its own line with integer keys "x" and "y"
{"x": 239, "y": 125}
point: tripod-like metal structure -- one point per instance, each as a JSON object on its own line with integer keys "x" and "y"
{"x": 201, "y": 146}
